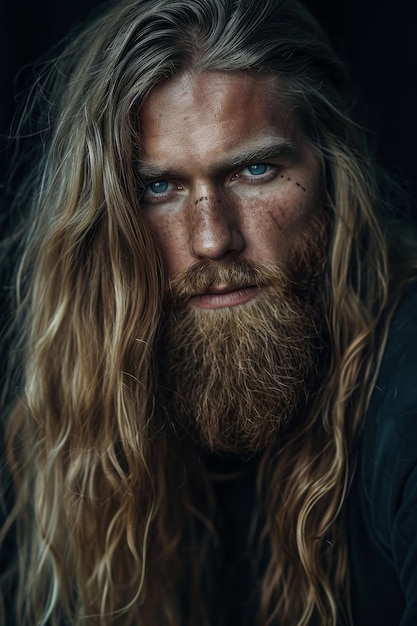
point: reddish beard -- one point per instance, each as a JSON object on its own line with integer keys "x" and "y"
{"x": 233, "y": 378}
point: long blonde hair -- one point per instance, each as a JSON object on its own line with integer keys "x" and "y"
{"x": 103, "y": 503}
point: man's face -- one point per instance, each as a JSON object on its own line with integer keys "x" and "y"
{"x": 228, "y": 173}
{"x": 232, "y": 195}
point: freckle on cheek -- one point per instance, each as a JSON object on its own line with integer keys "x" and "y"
{"x": 297, "y": 183}
{"x": 301, "y": 186}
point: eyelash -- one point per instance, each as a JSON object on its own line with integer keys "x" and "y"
{"x": 272, "y": 171}
{"x": 155, "y": 198}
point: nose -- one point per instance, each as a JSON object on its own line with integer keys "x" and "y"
{"x": 214, "y": 228}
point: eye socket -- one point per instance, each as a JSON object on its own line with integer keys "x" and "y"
{"x": 157, "y": 187}
{"x": 158, "y": 191}
{"x": 256, "y": 172}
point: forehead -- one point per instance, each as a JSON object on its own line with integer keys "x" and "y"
{"x": 210, "y": 114}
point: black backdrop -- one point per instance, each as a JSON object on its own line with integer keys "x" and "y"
{"x": 378, "y": 41}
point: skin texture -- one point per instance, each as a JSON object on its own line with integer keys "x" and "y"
{"x": 227, "y": 173}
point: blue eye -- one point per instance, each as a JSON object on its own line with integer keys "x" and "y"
{"x": 257, "y": 169}
{"x": 159, "y": 186}
{"x": 257, "y": 173}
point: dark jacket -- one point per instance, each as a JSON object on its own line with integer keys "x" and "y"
{"x": 383, "y": 502}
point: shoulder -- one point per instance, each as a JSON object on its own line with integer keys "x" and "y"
{"x": 387, "y": 465}
{"x": 400, "y": 358}
{"x": 392, "y": 412}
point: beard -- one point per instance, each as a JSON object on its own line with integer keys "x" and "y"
{"x": 234, "y": 378}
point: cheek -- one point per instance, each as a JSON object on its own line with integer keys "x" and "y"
{"x": 278, "y": 223}
{"x": 170, "y": 239}
{"x": 288, "y": 212}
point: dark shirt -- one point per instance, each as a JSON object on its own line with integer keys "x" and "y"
{"x": 383, "y": 501}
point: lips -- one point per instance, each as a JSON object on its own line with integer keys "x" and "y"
{"x": 217, "y": 297}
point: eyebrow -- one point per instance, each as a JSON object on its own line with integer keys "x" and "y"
{"x": 273, "y": 148}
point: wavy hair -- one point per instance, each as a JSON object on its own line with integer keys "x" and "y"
{"x": 103, "y": 504}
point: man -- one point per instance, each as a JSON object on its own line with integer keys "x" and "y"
{"x": 215, "y": 417}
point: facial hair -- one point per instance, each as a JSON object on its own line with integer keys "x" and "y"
{"x": 233, "y": 378}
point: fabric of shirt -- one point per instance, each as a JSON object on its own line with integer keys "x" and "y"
{"x": 383, "y": 502}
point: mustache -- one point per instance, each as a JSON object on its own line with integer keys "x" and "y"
{"x": 234, "y": 273}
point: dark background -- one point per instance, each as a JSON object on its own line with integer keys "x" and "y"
{"x": 377, "y": 41}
